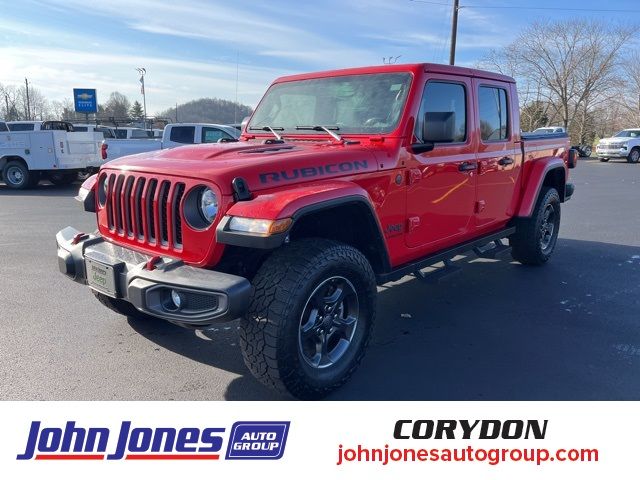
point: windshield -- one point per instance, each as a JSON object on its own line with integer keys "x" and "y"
{"x": 349, "y": 104}
{"x": 543, "y": 130}
{"x": 628, "y": 133}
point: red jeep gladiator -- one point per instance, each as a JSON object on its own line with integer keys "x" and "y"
{"x": 341, "y": 181}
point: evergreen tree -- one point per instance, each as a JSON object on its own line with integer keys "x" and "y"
{"x": 136, "y": 110}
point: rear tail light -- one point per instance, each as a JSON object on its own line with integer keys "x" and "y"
{"x": 103, "y": 151}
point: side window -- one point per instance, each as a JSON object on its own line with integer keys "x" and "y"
{"x": 139, "y": 134}
{"x": 106, "y": 132}
{"x": 182, "y": 134}
{"x": 212, "y": 135}
{"x": 121, "y": 134}
{"x": 80, "y": 129}
{"x": 444, "y": 109}
{"x": 493, "y": 111}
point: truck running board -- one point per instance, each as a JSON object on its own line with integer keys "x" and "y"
{"x": 498, "y": 248}
{"x": 438, "y": 274}
{"x": 447, "y": 254}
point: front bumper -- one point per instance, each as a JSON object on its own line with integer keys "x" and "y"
{"x": 208, "y": 297}
{"x": 611, "y": 152}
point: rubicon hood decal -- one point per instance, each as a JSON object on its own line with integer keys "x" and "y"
{"x": 314, "y": 171}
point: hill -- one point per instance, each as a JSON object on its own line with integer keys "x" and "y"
{"x": 208, "y": 110}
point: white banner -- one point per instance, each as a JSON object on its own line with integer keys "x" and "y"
{"x": 319, "y": 440}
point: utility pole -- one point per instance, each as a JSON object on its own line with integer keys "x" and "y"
{"x": 26, "y": 82}
{"x": 454, "y": 32}
{"x": 235, "y": 107}
{"x": 142, "y": 71}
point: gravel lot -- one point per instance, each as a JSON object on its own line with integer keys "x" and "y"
{"x": 498, "y": 331}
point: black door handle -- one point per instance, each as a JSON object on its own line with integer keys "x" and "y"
{"x": 505, "y": 161}
{"x": 467, "y": 166}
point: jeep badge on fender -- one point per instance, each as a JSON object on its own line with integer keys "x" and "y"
{"x": 370, "y": 175}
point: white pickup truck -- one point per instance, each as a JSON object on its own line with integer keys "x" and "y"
{"x": 26, "y": 157}
{"x": 174, "y": 135}
{"x": 624, "y": 144}
{"x": 107, "y": 132}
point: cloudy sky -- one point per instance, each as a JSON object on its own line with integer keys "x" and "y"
{"x": 191, "y": 48}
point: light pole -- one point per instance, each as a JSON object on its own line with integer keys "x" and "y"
{"x": 143, "y": 71}
{"x": 454, "y": 32}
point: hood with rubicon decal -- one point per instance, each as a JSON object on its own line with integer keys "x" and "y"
{"x": 263, "y": 166}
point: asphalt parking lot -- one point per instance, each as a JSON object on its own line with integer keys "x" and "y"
{"x": 499, "y": 331}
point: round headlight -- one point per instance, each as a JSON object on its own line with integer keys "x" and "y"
{"x": 103, "y": 190}
{"x": 208, "y": 205}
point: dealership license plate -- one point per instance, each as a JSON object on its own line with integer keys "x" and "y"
{"x": 101, "y": 277}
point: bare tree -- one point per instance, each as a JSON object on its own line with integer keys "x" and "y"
{"x": 117, "y": 106}
{"x": 10, "y": 103}
{"x": 38, "y": 103}
{"x": 63, "y": 110}
{"x": 630, "y": 95}
{"x": 570, "y": 65}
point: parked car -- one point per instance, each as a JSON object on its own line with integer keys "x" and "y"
{"x": 368, "y": 175}
{"x": 51, "y": 153}
{"x": 36, "y": 126}
{"x": 107, "y": 132}
{"x": 549, "y": 130}
{"x": 624, "y": 144}
{"x": 131, "y": 133}
{"x": 173, "y": 135}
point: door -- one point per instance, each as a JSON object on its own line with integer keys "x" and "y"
{"x": 441, "y": 182}
{"x": 499, "y": 155}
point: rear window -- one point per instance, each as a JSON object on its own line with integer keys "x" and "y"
{"x": 139, "y": 134}
{"x": 80, "y": 129}
{"x": 121, "y": 134}
{"x": 182, "y": 134}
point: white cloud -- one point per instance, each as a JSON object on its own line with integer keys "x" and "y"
{"x": 55, "y": 71}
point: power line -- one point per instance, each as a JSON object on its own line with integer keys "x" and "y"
{"x": 567, "y": 9}
{"x": 516, "y": 7}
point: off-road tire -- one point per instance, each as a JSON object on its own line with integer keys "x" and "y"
{"x": 121, "y": 307}
{"x": 527, "y": 245}
{"x": 269, "y": 332}
{"x": 634, "y": 155}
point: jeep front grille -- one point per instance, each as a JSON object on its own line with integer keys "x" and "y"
{"x": 145, "y": 209}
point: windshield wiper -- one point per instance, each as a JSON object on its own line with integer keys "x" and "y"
{"x": 321, "y": 128}
{"x": 267, "y": 128}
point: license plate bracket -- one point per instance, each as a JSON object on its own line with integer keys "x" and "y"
{"x": 101, "y": 277}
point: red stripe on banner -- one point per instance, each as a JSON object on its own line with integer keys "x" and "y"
{"x": 70, "y": 457}
{"x": 161, "y": 456}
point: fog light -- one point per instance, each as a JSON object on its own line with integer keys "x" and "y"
{"x": 178, "y": 299}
